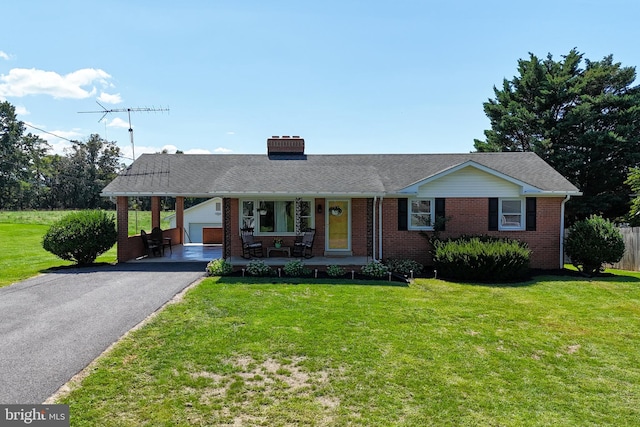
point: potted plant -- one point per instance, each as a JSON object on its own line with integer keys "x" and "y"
{"x": 277, "y": 242}
{"x": 335, "y": 210}
{"x": 262, "y": 210}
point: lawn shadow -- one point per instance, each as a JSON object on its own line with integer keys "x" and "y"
{"x": 252, "y": 280}
{"x": 560, "y": 275}
{"x": 128, "y": 266}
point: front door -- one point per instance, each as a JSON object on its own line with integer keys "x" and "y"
{"x": 338, "y": 223}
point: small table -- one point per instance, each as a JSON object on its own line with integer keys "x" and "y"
{"x": 286, "y": 249}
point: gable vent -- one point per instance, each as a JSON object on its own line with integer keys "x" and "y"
{"x": 277, "y": 145}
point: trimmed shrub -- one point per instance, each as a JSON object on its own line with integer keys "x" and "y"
{"x": 592, "y": 243}
{"x": 335, "y": 271}
{"x": 81, "y": 236}
{"x": 481, "y": 259}
{"x": 219, "y": 267}
{"x": 295, "y": 268}
{"x": 257, "y": 267}
{"x": 375, "y": 270}
{"x": 404, "y": 267}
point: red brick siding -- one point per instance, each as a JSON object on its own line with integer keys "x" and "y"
{"x": 470, "y": 216}
{"x": 359, "y": 227}
{"x": 125, "y": 251}
{"x": 318, "y": 242}
{"x": 155, "y": 212}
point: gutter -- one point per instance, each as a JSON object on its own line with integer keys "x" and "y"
{"x": 380, "y": 228}
{"x": 562, "y": 230}
{"x": 373, "y": 232}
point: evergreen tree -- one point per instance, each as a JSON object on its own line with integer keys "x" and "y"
{"x": 584, "y": 121}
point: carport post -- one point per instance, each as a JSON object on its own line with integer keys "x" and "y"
{"x": 180, "y": 218}
{"x": 122, "y": 223}
{"x": 155, "y": 211}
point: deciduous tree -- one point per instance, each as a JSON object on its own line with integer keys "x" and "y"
{"x": 19, "y": 158}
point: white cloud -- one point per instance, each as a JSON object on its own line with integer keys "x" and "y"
{"x": 222, "y": 150}
{"x": 22, "y": 82}
{"x": 118, "y": 123}
{"x": 231, "y": 133}
{"x": 57, "y": 139}
{"x": 110, "y": 98}
{"x": 197, "y": 151}
{"x": 4, "y": 55}
{"x": 22, "y": 110}
{"x": 59, "y": 146}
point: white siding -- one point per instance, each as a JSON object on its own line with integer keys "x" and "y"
{"x": 202, "y": 215}
{"x": 469, "y": 182}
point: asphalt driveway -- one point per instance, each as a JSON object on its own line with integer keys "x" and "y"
{"x": 54, "y": 325}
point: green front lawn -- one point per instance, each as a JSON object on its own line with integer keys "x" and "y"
{"x": 554, "y": 351}
{"x": 21, "y": 235}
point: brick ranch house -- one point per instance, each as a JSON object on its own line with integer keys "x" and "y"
{"x": 372, "y": 205}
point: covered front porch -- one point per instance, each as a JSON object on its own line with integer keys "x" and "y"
{"x": 356, "y": 234}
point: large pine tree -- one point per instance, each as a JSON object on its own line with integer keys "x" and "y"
{"x": 583, "y": 120}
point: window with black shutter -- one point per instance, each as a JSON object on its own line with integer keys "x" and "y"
{"x": 531, "y": 214}
{"x": 440, "y": 215}
{"x": 493, "y": 214}
{"x": 403, "y": 214}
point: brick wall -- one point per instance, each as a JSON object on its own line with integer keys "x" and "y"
{"x": 125, "y": 251}
{"x": 359, "y": 231}
{"x": 470, "y": 216}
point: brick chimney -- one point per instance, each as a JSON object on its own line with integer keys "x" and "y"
{"x": 285, "y": 145}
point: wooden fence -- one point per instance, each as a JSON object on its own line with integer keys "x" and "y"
{"x": 631, "y": 258}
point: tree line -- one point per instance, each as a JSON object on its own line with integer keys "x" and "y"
{"x": 33, "y": 178}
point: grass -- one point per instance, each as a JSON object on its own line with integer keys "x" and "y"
{"x": 21, "y": 234}
{"x": 558, "y": 350}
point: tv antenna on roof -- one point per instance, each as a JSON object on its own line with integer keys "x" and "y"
{"x": 106, "y": 111}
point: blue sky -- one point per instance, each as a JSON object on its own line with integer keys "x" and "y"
{"x": 348, "y": 76}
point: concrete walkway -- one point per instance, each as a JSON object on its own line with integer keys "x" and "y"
{"x": 52, "y": 326}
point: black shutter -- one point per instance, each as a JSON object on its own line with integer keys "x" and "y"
{"x": 493, "y": 214}
{"x": 440, "y": 216}
{"x": 531, "y": 214}
{"x": 403, "y": 214}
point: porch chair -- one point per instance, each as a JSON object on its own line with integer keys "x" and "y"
{"x": 150, "y": 247}
{"x": 304, "y": 247}
{"x": 157, "y": 238}
{"x": 250, "y": 247}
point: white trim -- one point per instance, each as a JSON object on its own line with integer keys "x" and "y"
{"x": 501, "y": 218}
{"x": 432, "y": 214}
{"x": 373, "y": 225}
{"x": 562, "y": 231}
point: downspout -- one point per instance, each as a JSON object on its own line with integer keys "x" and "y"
{"x": 373, "y": 232}
{"x": 380, "y": 229}
{"x": 562, "y": 231}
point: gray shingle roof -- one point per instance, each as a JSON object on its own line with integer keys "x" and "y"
{"x": 366, "y": 174}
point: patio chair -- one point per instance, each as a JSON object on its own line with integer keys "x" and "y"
{"x": 158, "y": 238}
{"x": 250, "y": 247}
{"x": 304, "y": 247}
{"x": 150, "y": 247}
